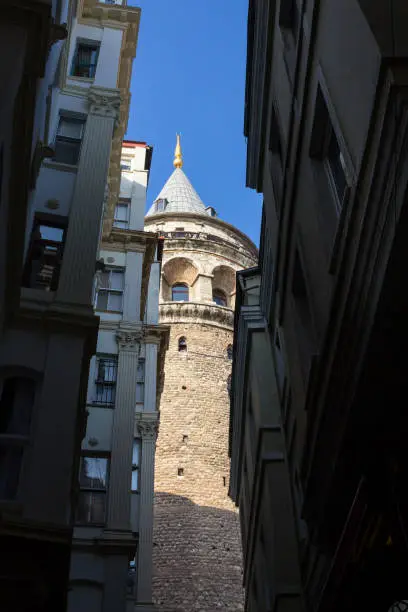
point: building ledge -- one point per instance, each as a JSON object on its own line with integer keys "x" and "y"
{"x": 196, "y": 312}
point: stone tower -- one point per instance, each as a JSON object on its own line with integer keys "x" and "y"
{"x": 197, "y": 550}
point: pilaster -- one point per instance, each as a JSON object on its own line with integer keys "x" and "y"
{"x": 78, "y": 266}
{"x": 122, "y": 430}
{"x": 150, "y": 389}
{"x": 134, "y": 267}
{"x": 146, "y": 426}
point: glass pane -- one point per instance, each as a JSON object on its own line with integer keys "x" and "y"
{"x": 48, "y": 232}
{"x": 136, "y": 453}
{"x": 135, "y": 480}
{"x": 70, "y": 127}
{"x": 91, "y": 507}
{"x": 107, "y": 370}
{"x": 103, "y": 279}
{"x": 93, "y": 472}
{"x": 67, "y": 151}
{"x": 219, "y": 298}
{"x": 102, "y": 300}
{"x": 115, "y": 302}
{"x": 121, "y": 212}
{"x": 179, "y": 293}
{"x": 336, "y": 163}
{"x": 116, "y": 280}
{"x": 10, "y": 464}
{"x": 139, "y": 393}
{"x": 105, "y": 394}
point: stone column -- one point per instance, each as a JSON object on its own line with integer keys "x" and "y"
{"x": 122, "y": 432}
{"x": 203, "y": 288}
{"x": 150, "y": 387}
{"x": 78, "y": 265}
{"x": 146, "y": 428}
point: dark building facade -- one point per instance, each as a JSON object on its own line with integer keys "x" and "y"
{"x": 318, "y": 419}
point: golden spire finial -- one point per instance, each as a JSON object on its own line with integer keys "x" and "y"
{"x": 178, "y": 157}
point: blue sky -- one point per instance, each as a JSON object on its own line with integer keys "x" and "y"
{"x": 189, "y": 77}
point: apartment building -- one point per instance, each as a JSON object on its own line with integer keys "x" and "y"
{"x": 318, "y": 428}
{"x": 112, "y": 548}
{"x": 65, "y": 115}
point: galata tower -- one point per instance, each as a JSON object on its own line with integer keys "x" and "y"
{"x": 197, "y": 550}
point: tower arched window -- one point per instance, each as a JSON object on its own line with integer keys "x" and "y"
{"x": 219, "y": 297}
{"x": 179, "y": 292}
{"x": 229, "y": 351}
{"x": 182, "y": 344}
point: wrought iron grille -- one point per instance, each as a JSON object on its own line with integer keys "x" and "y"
{"x": 105, "y": 383}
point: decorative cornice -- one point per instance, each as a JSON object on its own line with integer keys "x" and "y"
{"x": 104, "y": 102}
{"x": 195, "y": 312}
{"x": 128, "y": 240}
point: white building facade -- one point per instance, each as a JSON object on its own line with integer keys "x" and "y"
{"x": 112, "y": 551}
{"x": 71, "y": 99}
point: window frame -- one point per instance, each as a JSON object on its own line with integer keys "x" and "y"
{"x": 182, "y": 344}
{"x": 127, "y": 220}
{"x": 221, "y": 296}
{"x": 77, "y": 141}
{"x": 91, "y": 44}
{"x": 86, "y": 489}
{"x": 56, "y": 251}
{"x": 18, "y": 440}
{"x": 180, "y": 285}
{"x": 161, "y": 205}
{"x": 110, "y": 291}
{"x": 110, "y": 384}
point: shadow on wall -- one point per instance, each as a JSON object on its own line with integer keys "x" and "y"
{"x": 197, "y": 559}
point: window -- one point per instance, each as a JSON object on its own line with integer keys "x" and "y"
{"x": 136, "y": 452}
{"x": 182, "y": 344}
{"x": 325, "y": 148}
{"x": 179, "y": 293}
{"x": 93, "y": 482}
{"x": 68, "y": 140}
{"x": 16, "y": 405}
{"x": 85, "y": 60}
{"x": 179, "y": 232}
{"x": 229, "y": 351}
{"x": 44, "y": 257}
{"x": 125, "y": 166}
{"x": 219, "y": 297}
{"x": 122, "y": 215}
{"x": 105, "y": 380}
{"x": 109, "y": 292}
{"x": 161, "y": 204}
{"x": 289, "y": 16}
{"x": 140, "y": 381}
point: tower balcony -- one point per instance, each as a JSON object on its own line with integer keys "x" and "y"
{"x": 196, "y": 312}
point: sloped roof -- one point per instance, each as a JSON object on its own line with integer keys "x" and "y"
{"x": 180, "y": 195}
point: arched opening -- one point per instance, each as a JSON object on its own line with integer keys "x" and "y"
{"x": 179, "y": 292}
{"x": 182, "y": 344}
{"x": 219, "y": 297}
{"x": 229, "y": 351}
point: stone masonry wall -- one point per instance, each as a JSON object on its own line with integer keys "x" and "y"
{"x": 196, "y": 551}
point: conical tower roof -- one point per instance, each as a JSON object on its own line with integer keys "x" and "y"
{"x": 178, "y": 193}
